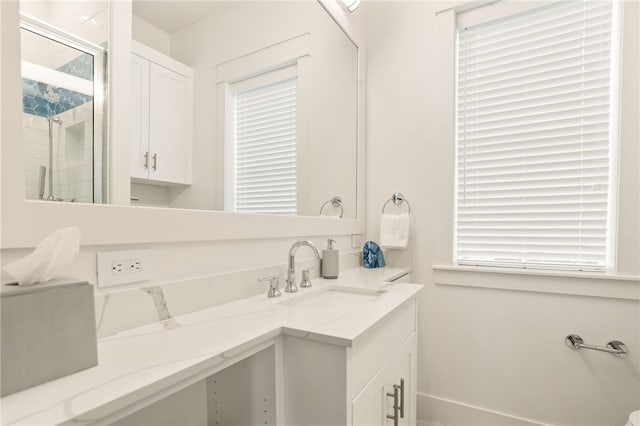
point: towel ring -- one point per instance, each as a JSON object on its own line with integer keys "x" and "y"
{"x": 335, "y": 201}
{"x": 397, "y": 199}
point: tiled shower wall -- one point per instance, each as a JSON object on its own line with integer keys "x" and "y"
{"x": 72, "y": 159}
{"x": 72, "y": 154}
{"x": 35, "y": 102}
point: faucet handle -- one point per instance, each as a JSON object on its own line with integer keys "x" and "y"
{"x": 305, "y": 282}
{"x": 274, "y": 284}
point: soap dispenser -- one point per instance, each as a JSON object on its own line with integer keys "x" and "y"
{"x": 330, "y": 259}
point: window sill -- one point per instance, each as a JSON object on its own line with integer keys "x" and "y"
{"x": 588, "y": 284}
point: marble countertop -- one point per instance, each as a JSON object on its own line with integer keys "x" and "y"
{"x": 138, "y": 363}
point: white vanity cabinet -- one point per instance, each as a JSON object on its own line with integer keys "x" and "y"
{"x": 297, "y": 361}
{"x": 332, "y": 384}
{"x": 161, "y": 118}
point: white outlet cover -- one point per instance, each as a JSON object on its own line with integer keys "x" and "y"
{"x": 105, "y": 261}
{"x": 356, "y": 241}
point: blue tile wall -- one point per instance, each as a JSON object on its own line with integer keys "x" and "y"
{"x": 82, "y": 67}
{"x": 44, "y": 100}
{"x": 35, "y": 99}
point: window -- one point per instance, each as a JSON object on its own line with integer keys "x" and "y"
{"x": 535, "y": 138}
{"x": 264, "y": 143}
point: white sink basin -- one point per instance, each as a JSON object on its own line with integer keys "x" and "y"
{"x": 334, "y": 299}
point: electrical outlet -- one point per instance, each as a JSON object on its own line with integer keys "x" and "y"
{"x": 126, "y": 267}
{"x": 356, "y": 241}
{"x": 123, "y": 267}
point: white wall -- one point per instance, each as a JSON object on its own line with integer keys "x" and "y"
{"x": 150, "y": 35}
{"x": 490, "y": 356}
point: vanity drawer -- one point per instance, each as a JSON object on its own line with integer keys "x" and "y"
{"x": 370, "y": 353}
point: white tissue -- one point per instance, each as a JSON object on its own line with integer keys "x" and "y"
{"x": 50, "y": 256}
{"x": 394, "y": 230}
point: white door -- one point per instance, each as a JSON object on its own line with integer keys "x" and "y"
{"x": 139, "y": 126}
{"x": 168, "y": 132}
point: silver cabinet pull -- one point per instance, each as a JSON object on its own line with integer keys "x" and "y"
{"x": 146, "y": 160}
{"x": 396, "y": 407}
{"x": 397, "y": 389}
{"x": 155, "y": 161}
{"x": 401, "y": 397}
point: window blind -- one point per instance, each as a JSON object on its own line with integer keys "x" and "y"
{"x": 265, "y": 123}
{"x": 535, "y": 132}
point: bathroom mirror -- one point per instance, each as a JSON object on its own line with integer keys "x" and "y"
{"x": 236, "y": 106}
{"x": 25, "y": 222}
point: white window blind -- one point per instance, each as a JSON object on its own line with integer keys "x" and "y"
{"x": 265, "y": 129}
{"x": 535, "y": 136}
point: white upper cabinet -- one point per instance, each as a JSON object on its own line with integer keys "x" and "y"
{"x": 161, "y": 118}
{"x": 139, "y": 141}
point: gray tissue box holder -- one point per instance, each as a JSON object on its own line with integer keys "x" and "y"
{"x": 48, "y": 331}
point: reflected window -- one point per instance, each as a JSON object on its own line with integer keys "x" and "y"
{"x": 264, "y": 163}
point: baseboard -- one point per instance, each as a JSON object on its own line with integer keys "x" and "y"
{"x": 437, "y": 411}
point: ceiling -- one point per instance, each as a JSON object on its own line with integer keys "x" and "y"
{"x": 173, "y": 15}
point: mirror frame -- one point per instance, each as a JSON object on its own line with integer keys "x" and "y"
{"x": 26, "y": 222}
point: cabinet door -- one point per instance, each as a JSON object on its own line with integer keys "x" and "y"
{"x": 372, "y": 405}
{"x": 402, "y": 367}
{"x": 139, "y": 126}
{"x": 369, "y": 406}
{"x": 169, "y": 131}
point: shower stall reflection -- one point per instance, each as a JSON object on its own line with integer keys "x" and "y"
{"x": 62, "y": 152}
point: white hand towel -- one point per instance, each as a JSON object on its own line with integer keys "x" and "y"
{"x": 49, "y": 258}
{"x": 394, "y": 230}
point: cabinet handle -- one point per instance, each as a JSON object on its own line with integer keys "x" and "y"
{"x": 155, "y": 161}
{"x": 146, "y": 160}
{"x": 396, "y": 407}
{"x": 401, "y": 397}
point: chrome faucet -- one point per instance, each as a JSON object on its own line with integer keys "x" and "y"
{"x": 291, "y": 270}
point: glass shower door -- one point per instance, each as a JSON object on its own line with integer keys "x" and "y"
{"x": 62, "y": 131}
